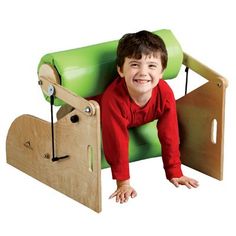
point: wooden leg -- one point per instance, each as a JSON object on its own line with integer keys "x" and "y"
{"x": 201, "y": 122}
{"x": 29, "y": 148}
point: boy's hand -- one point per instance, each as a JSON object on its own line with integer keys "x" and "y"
{"x": 184, "y": 181}
{"x": 123, "y": 191}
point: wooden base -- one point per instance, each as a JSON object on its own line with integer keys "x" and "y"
{"x": 29, "y": 148}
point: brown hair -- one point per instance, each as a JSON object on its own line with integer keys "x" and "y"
{"x": 133, "y": 45}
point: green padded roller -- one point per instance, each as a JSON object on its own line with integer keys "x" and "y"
{"x": 88, "y": 70}
{"x": 143, "y": 143}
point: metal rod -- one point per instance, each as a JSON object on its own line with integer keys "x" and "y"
{"x": 186, "y": 82}
{"x": 52, "y": 125}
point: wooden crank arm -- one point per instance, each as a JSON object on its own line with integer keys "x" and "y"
{"x": 48, "y": 79}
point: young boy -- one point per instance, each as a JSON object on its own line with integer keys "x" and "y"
{"x": 138, "y": 96}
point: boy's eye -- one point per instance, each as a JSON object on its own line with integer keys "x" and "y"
{"x": 152, "y": 66}
{"x": 134, "y": 64}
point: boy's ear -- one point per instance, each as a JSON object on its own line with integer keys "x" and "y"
{"x": 120, "y": 71}
{"x": 161, "y": 75}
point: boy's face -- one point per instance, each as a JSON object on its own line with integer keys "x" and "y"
{"x": 141, "y": 75}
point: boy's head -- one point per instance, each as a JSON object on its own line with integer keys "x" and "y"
{"x": 141, "y": 59}
{"x": 135, "y": 45}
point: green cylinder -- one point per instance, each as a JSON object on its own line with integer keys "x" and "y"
{"x": 88, "y": 70}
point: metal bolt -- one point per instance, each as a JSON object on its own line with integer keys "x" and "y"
{"x": 87, "y": 109}
{"x": 51, "y": 90}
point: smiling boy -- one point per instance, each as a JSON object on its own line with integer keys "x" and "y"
{"x": 138, "y": 96}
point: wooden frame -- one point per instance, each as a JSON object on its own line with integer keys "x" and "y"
{"x": 28, "y": 145}
{"x": 199, "y": 113}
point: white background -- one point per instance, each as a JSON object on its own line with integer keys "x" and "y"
{"x": 30, "y": 29}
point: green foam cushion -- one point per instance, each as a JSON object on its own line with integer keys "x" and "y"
{"x": 88, "y": 70}
{"x": 143, "y": 143}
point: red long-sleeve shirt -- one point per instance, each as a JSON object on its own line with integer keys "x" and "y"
{"x": 119, "y": 113}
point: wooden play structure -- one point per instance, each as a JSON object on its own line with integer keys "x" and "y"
{"x": 67, "y": 154}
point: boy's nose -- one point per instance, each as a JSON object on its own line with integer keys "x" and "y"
{"x": 143, "y": 71}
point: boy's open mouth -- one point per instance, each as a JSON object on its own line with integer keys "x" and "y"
{"x": 142, "y": 81}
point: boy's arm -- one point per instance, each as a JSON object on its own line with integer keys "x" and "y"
{"x": 169, "y": 137}
{"x": 115, "y": 144}
{"x": 168, "y": 134}
{"x": 115, "y": 138}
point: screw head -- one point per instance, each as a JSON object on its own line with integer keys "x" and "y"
{"x": 51, "y": 90}
{"x": 87, "y": 109}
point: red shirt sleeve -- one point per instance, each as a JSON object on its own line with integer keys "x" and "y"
{"x": 168, "y": 134}
{"x": 115, "y": 135}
